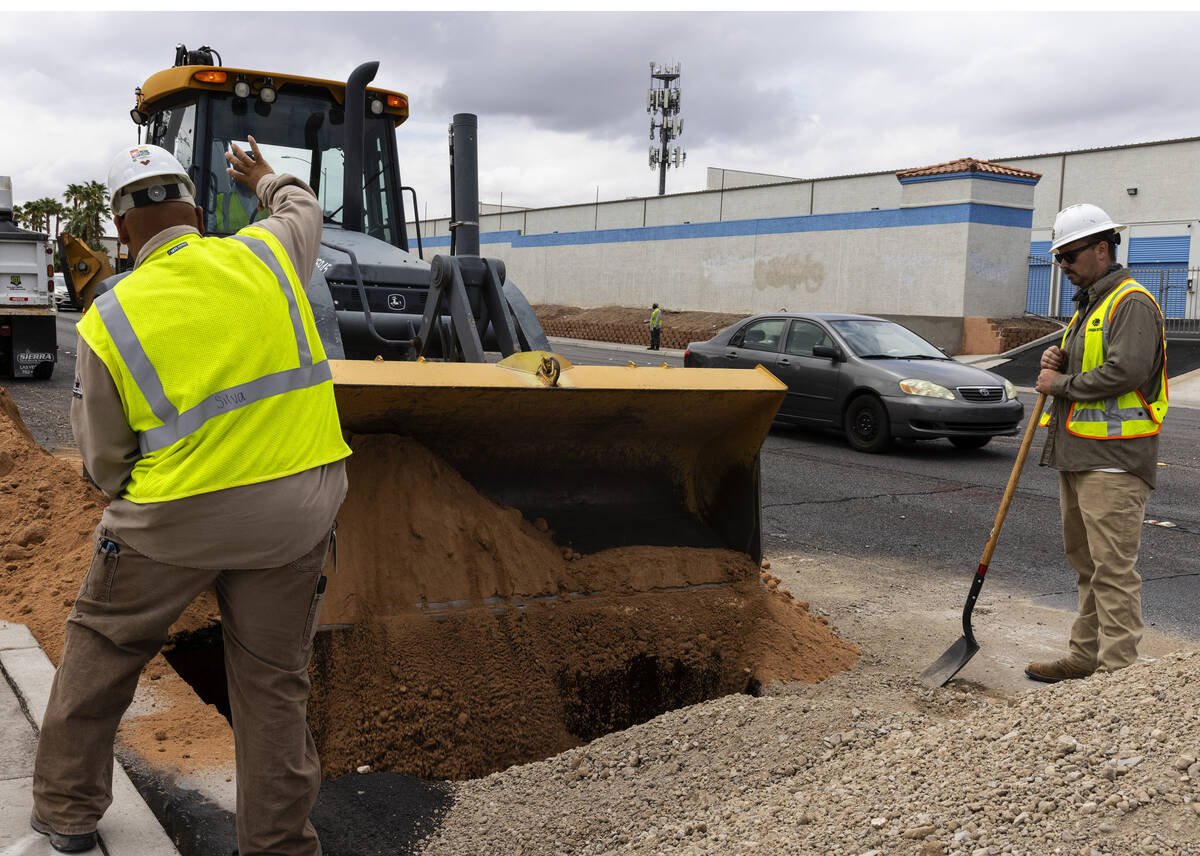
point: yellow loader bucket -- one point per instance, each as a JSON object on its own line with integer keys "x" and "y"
{"x": 605, "y": 456}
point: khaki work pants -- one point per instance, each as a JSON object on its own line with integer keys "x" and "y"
{"x": 120, "y": 620}
{"x": 1102, "y": 516}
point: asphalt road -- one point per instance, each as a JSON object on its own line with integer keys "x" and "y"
{"x": 926, "y": 503}
{"x": 931, "y": 505}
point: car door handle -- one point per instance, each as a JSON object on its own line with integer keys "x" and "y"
{"x": 784, "y": 362}
{"x": 732, "y": 355}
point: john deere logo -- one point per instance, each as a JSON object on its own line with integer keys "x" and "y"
{"x": 395, "y": 301}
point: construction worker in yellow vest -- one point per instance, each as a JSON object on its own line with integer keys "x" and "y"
{"x": 203, "y": 405}
{"x": 1109, "y": 382}
{"x": 655, "y": 327}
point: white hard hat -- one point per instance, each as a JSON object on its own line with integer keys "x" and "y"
{"x": 1079, "y": 221}
{"x": 146, "y": 174}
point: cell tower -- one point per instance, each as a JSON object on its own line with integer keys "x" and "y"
{"x": 662, "y": 103}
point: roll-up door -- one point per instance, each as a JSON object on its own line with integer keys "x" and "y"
{"x": 1160, "y": 265}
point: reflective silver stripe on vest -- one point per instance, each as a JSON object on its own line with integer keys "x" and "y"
{"x": 232, "y": 398}
{"x": 260, "y": 249}
{"x": 1110, "y": 413}
{"x": 178, "y": 425}
{"x": 1108, "y": 311}
{"x": 131, "y": 351}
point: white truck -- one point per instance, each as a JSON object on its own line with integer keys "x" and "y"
{"x": 28, "y": 335}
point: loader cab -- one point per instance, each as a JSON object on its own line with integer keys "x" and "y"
{"x": 300, "y": 126}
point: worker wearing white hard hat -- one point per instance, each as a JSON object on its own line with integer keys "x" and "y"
{"x": 147, "y": 175}
{"x": 203, "y": 406}
{"x": 1109, "y": 383}
{"x": 1081, "y": 221}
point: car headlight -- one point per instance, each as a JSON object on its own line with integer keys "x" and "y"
{"x": 913, "y": 386}
{"x": 1010, "y": 391}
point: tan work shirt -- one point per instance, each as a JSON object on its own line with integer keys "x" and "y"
{"x": 1133, "y": 359}
{"x": 261, "y": 525}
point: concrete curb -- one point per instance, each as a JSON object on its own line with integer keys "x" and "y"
{"x": 128, "y": 828}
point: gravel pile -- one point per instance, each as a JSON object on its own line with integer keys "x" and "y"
{"x": 1108, "y": 765}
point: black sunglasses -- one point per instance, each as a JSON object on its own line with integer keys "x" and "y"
{"x": 1070, "y": 255}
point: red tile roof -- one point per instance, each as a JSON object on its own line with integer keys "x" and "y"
{"x": 967, "y": 165}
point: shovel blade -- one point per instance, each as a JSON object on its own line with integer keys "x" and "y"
{"x": 947, "y": 665}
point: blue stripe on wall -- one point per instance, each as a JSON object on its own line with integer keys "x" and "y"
{"x": 505, "y": 237}
{"x": 933, "y": 215}
{"x": 930, "y": 215}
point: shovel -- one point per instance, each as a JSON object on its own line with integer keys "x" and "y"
{"x": 960, "y": 653}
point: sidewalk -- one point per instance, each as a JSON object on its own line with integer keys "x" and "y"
{"x": 128, "y": 828}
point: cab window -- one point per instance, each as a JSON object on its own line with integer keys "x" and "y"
{"x": 174, "y": 129}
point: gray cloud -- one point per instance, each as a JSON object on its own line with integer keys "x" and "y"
{"x": 806, "y": 93}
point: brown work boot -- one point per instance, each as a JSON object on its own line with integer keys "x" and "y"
{"x": 63, "y": 842}
{"x": 1059, "y": 670}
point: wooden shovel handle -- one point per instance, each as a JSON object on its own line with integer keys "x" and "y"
{"x": 1026, "y": 442}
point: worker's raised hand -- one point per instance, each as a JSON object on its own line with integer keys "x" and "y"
{"x": 245, "y": 169}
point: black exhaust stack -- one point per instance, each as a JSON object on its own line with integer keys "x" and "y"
{"x": 464, "y": 185}
{"x": 352, "y": 179}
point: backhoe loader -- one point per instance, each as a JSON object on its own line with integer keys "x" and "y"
{"x": 448, "y": 353}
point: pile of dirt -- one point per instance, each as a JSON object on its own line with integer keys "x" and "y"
{"x": 630, "y": 326}
{"x": 480, "y": 643}
{"x": 48, "y": 513}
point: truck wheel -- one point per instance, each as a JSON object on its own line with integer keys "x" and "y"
{"x": 42, "y": 371}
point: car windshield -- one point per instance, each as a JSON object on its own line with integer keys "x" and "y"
{"x": 877, "y": 339}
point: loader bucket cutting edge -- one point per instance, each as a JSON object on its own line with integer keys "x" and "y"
{"x": 609, "y": 457}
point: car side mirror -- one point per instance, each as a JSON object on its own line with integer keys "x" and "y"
{"x": 827, "y": 351}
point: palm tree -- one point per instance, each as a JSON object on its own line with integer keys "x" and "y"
{"x": 47, "y": 208}
{"x": 90, "y": 207}
{"x": 75, "y": 194}
{"x": 36, "y": 214}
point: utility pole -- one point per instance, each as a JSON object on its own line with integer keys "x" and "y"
{"x": 662, "y": 103}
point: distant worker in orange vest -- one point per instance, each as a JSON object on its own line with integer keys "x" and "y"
{"x": 1109, "y": 384}
{"x": 655, "y": 327}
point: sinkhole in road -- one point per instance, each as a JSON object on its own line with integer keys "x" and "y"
{"x": 475, "y": 691}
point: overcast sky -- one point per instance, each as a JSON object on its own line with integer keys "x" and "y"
{"x": 561, "y": 96}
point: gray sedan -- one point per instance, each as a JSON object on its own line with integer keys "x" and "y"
{"x": 871, "y": 378}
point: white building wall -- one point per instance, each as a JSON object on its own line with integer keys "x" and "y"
{"x": 783, "y": 200}
{"x": 966, "y": 269}
{"x": 856, "y": 193}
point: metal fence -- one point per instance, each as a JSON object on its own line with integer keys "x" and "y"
{"x": 1171, "y": 286}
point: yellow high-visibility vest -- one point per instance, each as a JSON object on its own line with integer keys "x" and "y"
{"x": 213, "y": 349}
{"x": 1129, "y": 414}
{"x": 656, "y": 319}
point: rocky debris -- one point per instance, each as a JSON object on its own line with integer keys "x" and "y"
{"x": 1093, "y": 767}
